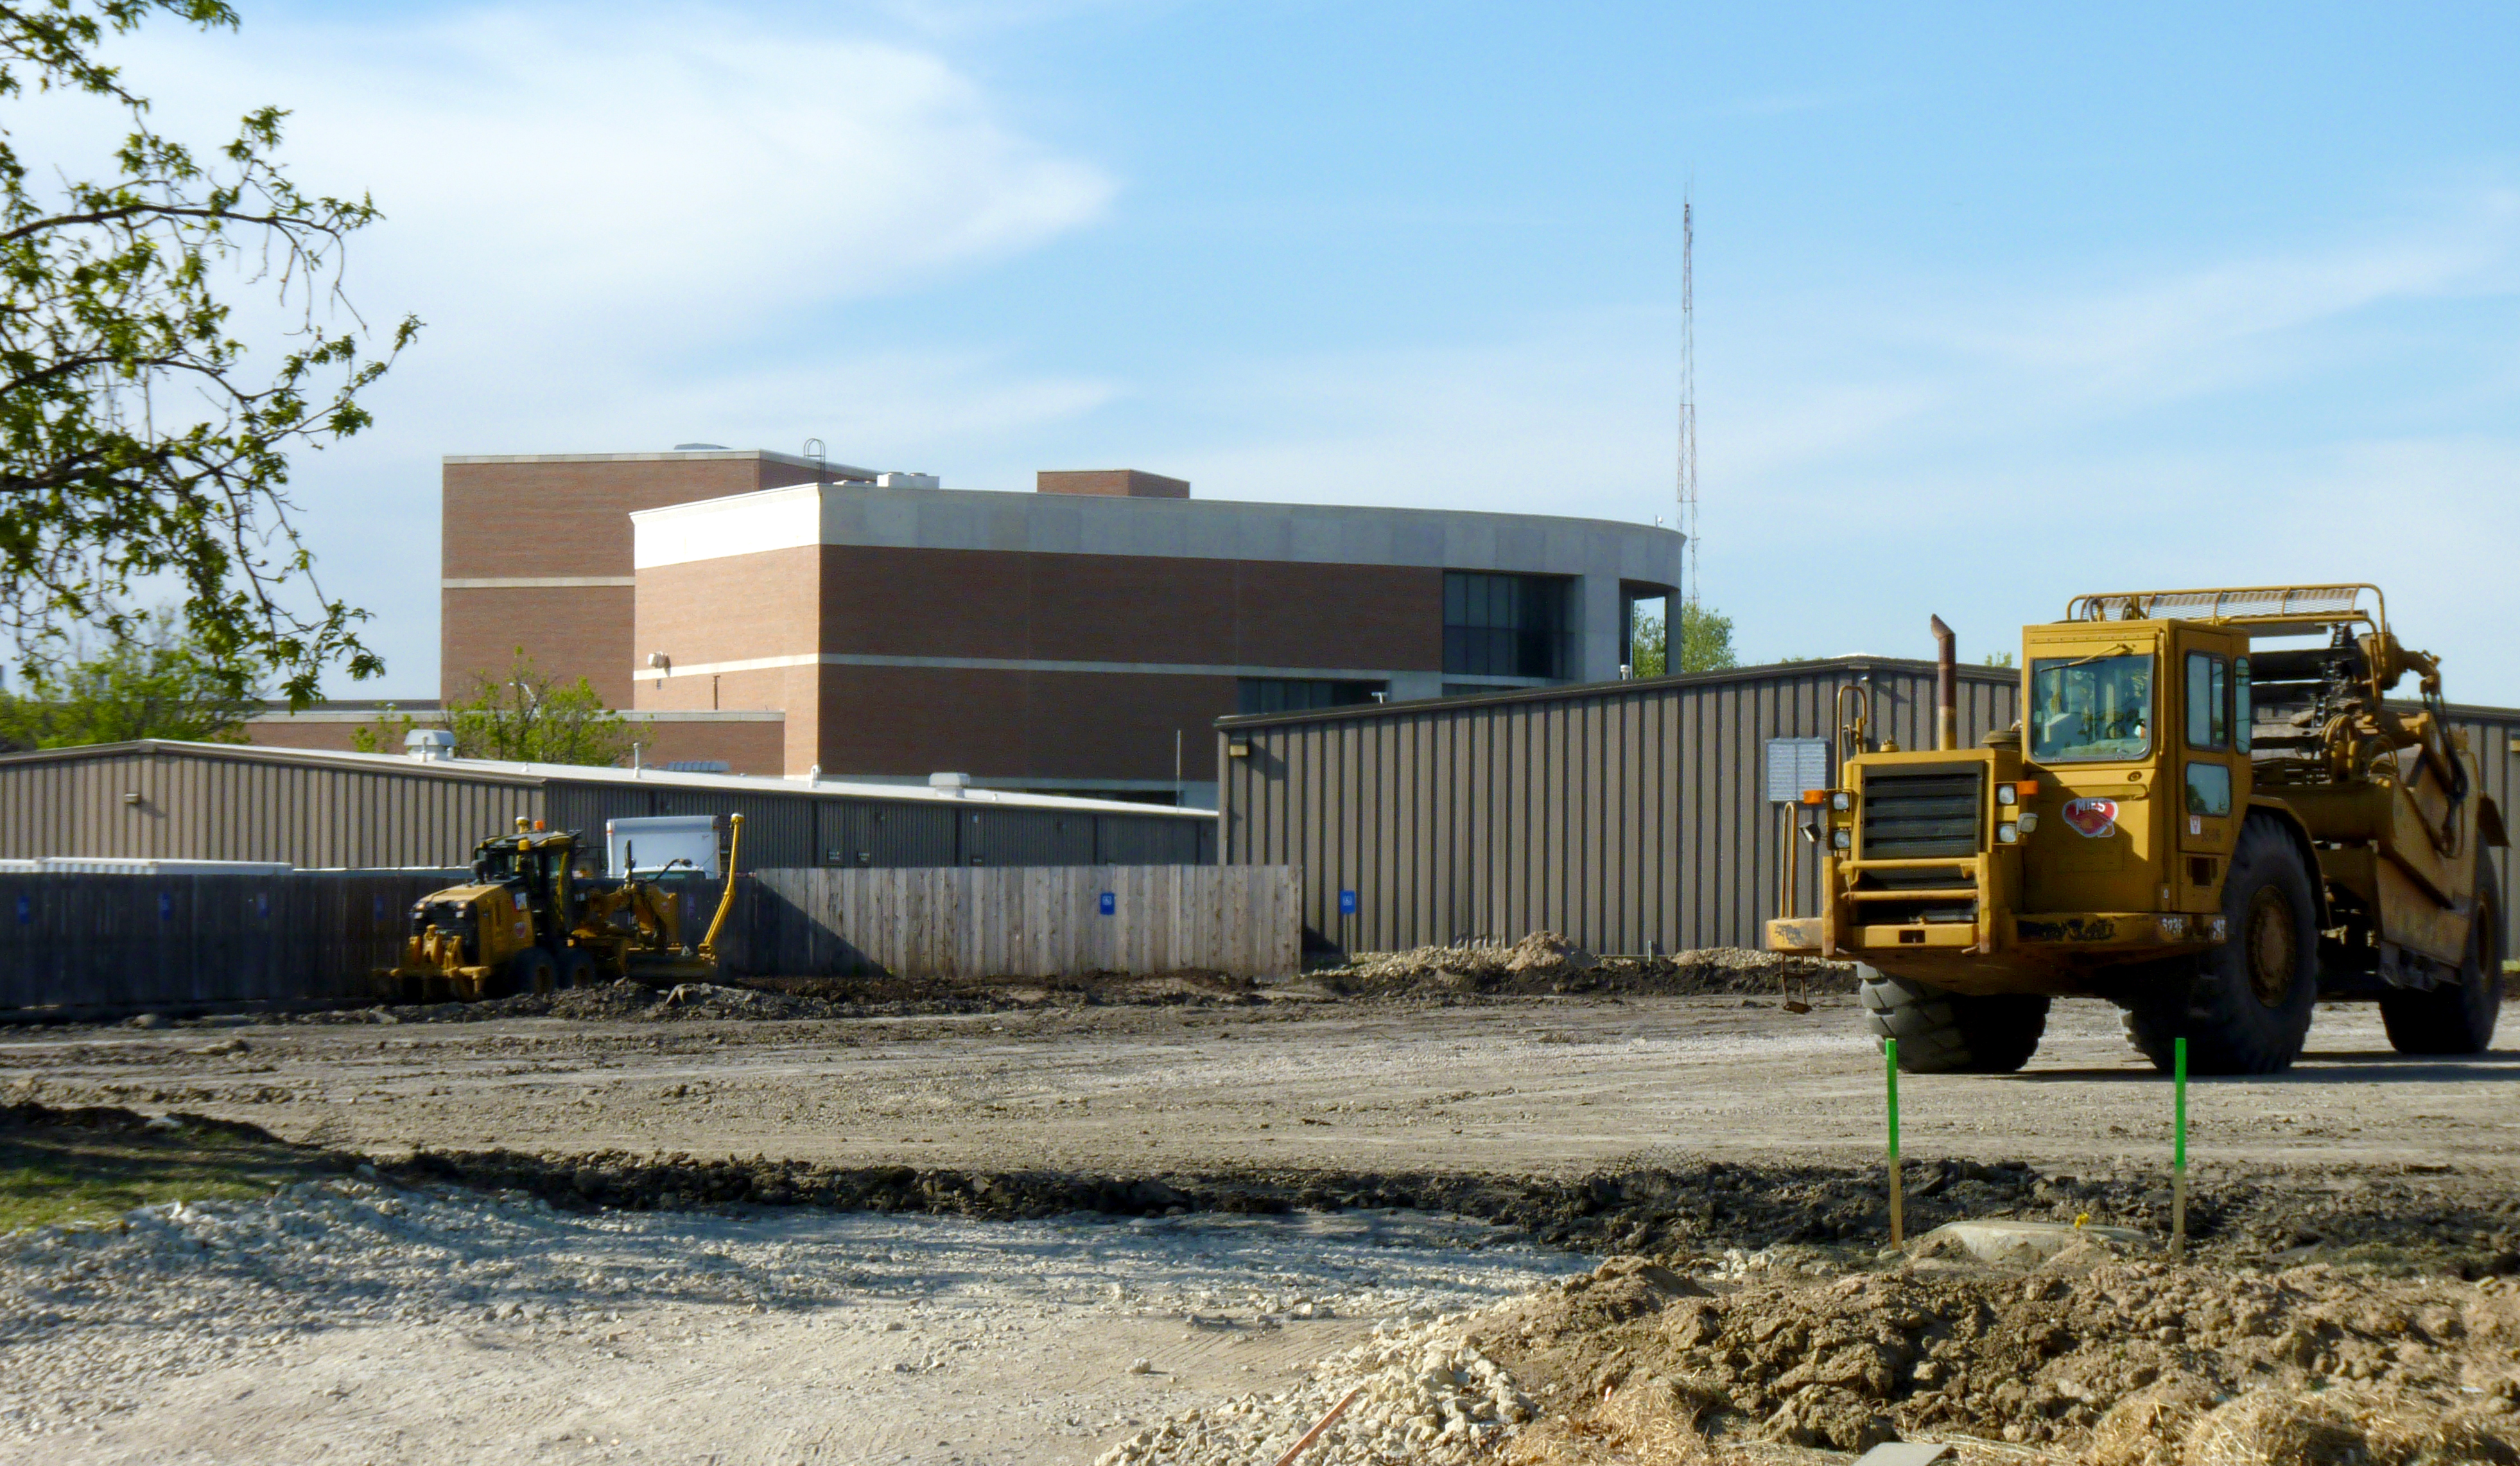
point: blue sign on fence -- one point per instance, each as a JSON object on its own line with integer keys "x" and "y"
{"x": 1347, "y": 903}
{"x": 1111, "y": 904}
{"x": 25, "y": 909}
{"x": 165, "y": 906}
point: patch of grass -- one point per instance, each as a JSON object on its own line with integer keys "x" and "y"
{"x": 58, "y": 1173}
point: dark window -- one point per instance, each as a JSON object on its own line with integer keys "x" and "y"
{"x": 1505, "y": 626}
{"x": 2208, "y": 692}
{"x": 1302, "y": 693}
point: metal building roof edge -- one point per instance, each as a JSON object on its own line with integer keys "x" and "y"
{"x": 486, "y": 770}
{"x": 1570, "y": 691}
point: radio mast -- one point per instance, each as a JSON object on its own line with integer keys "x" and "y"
{"x": 1687, "y": 412}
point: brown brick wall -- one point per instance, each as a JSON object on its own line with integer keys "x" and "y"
{"x": 790, "y": 689}
{"x": 571, "y": 631}
{"x": 553, "y": 520}
{"x": 1005, "y": 724}
{"x": 728, "y": 610}
{"x": 1121, "y": 484}
{"x": 574, "y": 519}
{"x": 1103, "y": 608}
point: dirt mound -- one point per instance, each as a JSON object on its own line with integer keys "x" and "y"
{"x": 1546, "y": 963}
{"x": 2128, "y": 1363}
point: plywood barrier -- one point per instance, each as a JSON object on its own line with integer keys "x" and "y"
{"x": 1022, "y": 921}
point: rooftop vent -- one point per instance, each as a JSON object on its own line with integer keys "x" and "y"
{"x": 696, "y": 766}
{"x": 699, "y": 448}
{"x": 949, "y": 783}
{"x": 907, "y": 480}
{"x": 1111, "y": 484}
{"x": 429, "y": 745}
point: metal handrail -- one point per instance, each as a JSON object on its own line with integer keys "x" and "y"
{"x": 2244, "y": 604}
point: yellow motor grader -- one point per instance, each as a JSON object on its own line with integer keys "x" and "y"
{"x": 2210, "y": 814}
{"x": 540, "y": 915}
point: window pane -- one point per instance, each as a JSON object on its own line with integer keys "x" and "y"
{"x": 2200, "y": 701}
{"x": 2222, "y": 705}
{"x": 2209, "y": 789}
{"x": 2091, "y": 708}
{"x": 2243, "y": 715}
{"x": 1456, "y": 598}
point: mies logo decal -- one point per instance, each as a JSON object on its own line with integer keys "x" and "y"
{"x": 2093, "y": 818}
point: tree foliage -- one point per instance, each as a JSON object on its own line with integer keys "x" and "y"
{"x": 1705, "y": 642}
{"x": 150, "y": 684}
{"x": 135, "y": 445}
{"x": 523, "y": 715}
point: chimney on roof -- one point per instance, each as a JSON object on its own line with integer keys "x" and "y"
{"x": 1111, "y": 484}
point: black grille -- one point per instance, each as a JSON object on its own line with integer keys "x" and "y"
{"x": 1922, "y": 812}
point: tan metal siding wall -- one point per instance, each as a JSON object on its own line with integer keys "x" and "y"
{"x": 1469, "y": 823}
{"x": 2495, "y": 739}
{"x": 1628, "y": 817}
{"x": 205, "y": 807}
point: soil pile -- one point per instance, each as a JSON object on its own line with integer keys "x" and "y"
{"x": 2106, "y": 1359}
{"x": 1546, "y": 963}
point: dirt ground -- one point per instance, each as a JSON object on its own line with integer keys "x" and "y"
{"x": 1701, "y": 1131}
{"x": 1530, "y": 1086}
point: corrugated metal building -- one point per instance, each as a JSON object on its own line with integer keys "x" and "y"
{"x": 1630, "y": 816}
{"x": 311, "y": 808}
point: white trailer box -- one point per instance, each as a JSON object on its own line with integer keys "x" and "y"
{"x": 663, "y": 845}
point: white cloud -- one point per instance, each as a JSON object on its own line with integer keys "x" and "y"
{"x": 610, "y": 218}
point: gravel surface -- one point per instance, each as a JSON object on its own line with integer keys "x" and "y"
{"x": 365, "y": 1322}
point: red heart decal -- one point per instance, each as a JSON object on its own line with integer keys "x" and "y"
{"x": 2093, "y": 818}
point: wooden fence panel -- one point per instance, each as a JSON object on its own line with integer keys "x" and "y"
{"x": 1030, "y": 921}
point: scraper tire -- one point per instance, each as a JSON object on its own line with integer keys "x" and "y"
{"x": 2244, "y": 1006}
{"x": 2456, "y": 1018}
{"x": 1950, "y": 1033}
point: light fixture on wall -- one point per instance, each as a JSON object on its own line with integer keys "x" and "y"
{"x": 664, "y": 664}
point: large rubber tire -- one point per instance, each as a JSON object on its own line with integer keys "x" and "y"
{"x": 2245, "y": 1006}
{"x": 530, "y": 971}
{"x": 2455, "y": 1018}
{"x": 1950, "y": 1033}
{"x": 576, "y": 969}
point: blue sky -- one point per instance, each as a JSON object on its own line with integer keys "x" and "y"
{"x": 1992, "y": 306}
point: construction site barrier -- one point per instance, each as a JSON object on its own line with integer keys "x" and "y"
{"x": 1020, "y": 920}
{"x": 79, "y": 946}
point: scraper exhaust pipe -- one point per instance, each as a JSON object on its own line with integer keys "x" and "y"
{"x": 1947, "y": 688}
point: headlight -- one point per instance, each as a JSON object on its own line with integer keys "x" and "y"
{"x": 1840, "y": 839}
{"x": 2029, "y": 822}
{"x": 2005, "y": 794}
{"x": 1841, "y": 800}
{"x": 2007, "y": 834}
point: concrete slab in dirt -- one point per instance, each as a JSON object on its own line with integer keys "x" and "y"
{"x": 2024, "y": 1244}
{"x": 1905, "y": 1453}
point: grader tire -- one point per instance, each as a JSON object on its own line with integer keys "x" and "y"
{"x": 529, "y": 970}
{"x": 576, "y": 969}
{"x": 2244, "y": 1006}
{"x": 2456, "y": 1018}
{"x": 1950, "y": 1033}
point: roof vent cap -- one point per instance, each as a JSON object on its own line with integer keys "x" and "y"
{"x": 429, "y": 745}
{"x": 953, "y": 783}
{"x": 699, "y": 448}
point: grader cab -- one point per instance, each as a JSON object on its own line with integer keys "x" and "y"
{"x": 2211, "y": 813}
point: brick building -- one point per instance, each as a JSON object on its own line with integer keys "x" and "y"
{"x": 783, "y": 614}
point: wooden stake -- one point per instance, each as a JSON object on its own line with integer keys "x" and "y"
{"x": 1898, "y": 1222}
{"x": 1315, "y": 1434}
{"x": 2178, "y": 1148}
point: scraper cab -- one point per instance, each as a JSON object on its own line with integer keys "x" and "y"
{"x": 2212, "y": 813}
{"x": 541, "y": 914}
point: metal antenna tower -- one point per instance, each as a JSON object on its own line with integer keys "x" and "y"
{"x": 1688, "y": 400}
